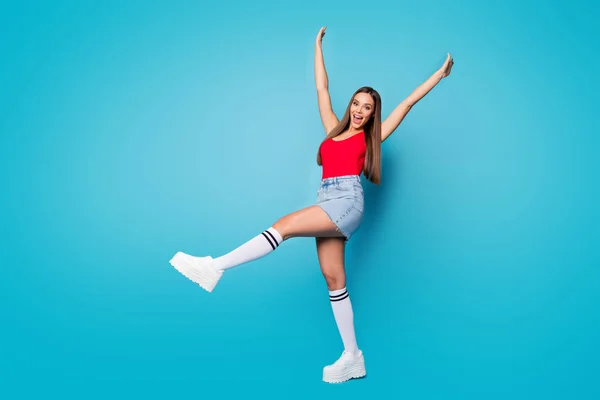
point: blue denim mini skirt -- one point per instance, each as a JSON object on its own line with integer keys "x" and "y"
{"x": 342, "y": 198}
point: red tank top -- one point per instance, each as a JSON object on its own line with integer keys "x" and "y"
{"x": 343, "y": 157}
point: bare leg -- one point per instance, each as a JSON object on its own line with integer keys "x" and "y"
{"x": 331, "y": 254}
{"x": 307, "y": 222}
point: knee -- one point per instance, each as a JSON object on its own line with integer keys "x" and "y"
{"x": 281, "y": 226}
{"x": 335, "y": 280}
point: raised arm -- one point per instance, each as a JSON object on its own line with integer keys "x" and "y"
{"x": 395, "y": 118}
{"x": 328, "y": 117}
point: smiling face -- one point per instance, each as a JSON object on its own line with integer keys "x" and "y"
{"x": 361, "y": 110}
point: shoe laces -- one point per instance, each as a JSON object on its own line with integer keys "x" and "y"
{"x": 345, "y": 357}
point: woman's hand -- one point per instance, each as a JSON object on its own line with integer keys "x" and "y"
{"x": 395, "y": 118}
{"x": 447, "y": 67}
{"x": 320, "y": 36}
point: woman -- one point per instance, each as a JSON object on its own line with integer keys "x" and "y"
{"x": 352, "y": 146}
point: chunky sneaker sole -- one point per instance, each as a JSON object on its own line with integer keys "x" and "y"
{"x": 197, "y": 269}
{"x": 345, "y": 369}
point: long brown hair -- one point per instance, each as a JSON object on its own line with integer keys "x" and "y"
{"x": 372, "y": 166}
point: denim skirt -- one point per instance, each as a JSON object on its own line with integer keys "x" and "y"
{"x": 342, "y": 198}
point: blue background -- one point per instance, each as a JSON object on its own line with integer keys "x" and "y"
{"x": 132, "y": 131}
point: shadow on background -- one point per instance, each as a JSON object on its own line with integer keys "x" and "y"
{"x": 361, "y": 261}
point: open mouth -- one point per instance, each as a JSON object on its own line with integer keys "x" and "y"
{"x": 357, "y": 118}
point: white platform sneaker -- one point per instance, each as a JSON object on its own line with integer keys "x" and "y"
{"x": 348, "y": 366}
{"x": 200, "y": 270}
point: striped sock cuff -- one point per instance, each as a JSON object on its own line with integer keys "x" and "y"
{"x": 273, "y": 237}
{"x": 338, "y": 295}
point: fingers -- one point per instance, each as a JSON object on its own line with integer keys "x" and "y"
{"x": 447, "y": 67}
{"x": 449, "y": 61}
{"x": 320, "y": 35}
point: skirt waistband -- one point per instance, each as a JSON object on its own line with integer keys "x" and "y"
{"x": 340, "y": 179}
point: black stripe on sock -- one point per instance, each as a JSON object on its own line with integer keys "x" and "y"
{"x": 269, "y": 240}
{"x": 339, "y": 294}
{"x": 339, "y": 297}
{"x": 273, "y": 237}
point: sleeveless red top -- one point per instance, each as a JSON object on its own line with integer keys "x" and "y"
{"x": 343, "y": 157}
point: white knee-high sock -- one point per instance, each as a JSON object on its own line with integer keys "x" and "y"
{"x": 344, "y": 318}
{"x": 257, "y": 247}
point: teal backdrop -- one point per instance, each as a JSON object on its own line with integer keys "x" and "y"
{"x": 133, "y": 130}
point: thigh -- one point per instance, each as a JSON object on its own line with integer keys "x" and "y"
{"x": 331, "y": 254}
{"x": 307, "y": 222}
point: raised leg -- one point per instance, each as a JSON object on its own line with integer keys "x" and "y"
{"x": 307, "y": 222}
{"x": 206, "y": 271}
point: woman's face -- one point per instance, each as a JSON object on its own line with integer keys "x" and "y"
{"x": 361, "y": 110}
